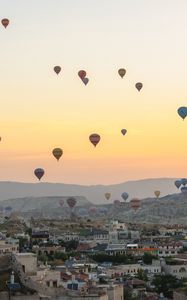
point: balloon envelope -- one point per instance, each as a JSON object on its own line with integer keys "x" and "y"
{"x": 8, "y": 208}
{"x": 71, "y": 202}
{"x": 5, "y": 22}
{"x": 123, "y": 131}
{"x": 178, "y": 183}
{"x": 85, "y": 80}
{"x": 107, "y": 196}
{"x": 93, "y": 210}
{"x": 157, "y": 193}
{"x": 183, "y": 181}
{"x": 182, "y": 111}
{"x": 94, "y": 138}
{"x": 39, "y": 173}
{"x": 184, "y": 190}
{"x": 82, "y": 74}
{"x": 139, "y": 86}
{"x": 57, "y": 69}
{"x": 117, "y": 203}
{"x": 122, "y": 72}
{"x": 125, "y": 196}
{"x": 57, "y": 153}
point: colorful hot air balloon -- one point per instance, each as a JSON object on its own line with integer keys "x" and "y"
{"x": 92, "y": 210}
{"x": 39, "y": 173}
{"x": 85, "y": 80}
{"x": 71, "y": 202}
{"x": 122, "y": 72}
{"x": 139, "y": 86}
{"x": 184, "y": 181}
{"x": 124, "y": 131}
{"x": 57, "y": 153}
{"x": 61, "y": 202}
{"x": 5, "y": 22}
{"x": 107, "y": 196}
{"x": 178, "y": 183}
{"x": 125, "y": 196}
{"x": 82, "y": 74}
{"x": 157, "y": 194}
{"x": 57, "y": 69}
{"x": 94, "y": 138}
{"x": 182, "y": 111}
{"x": 184, "y": 189}
{"x": 135, "y": 203}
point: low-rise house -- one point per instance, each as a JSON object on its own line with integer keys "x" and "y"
{"x": 40, "y": 236}
{"x": 28, "y": 261}
{"x": 8, "y": 248}
{"x": 122, "y": 270}
{"x": 169, "y": 249}
{"x": 114, "y": 249}
{"x": 69, "y": 236}
{"x": 49, "y": 250}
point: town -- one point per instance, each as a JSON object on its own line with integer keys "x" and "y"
{"x": 92, "y": 259}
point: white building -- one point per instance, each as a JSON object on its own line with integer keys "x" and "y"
{"x": 169, "y": 249}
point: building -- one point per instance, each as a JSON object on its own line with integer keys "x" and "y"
{"x": 169, "y": 249}
{"x": 28, "y": 261}
{"x": 8, "y": 248}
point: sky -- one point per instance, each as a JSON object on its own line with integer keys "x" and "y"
{"x": 40, "y": 111}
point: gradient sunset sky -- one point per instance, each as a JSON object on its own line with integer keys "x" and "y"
{"x": 40, "y": 110}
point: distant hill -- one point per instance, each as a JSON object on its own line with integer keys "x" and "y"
{"x": 170, "y": 209}
{"x": 45, "y": 204}
{"x": 93, "y": 193}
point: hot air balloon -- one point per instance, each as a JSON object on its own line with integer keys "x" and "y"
{"x": 8, "y": 209}
{"x": 85, "y": 80}
{"x": 5, "y": 22}
{"x": 71, "y": 202}
{"x": 92, "y": 210}
{"x": 39, "y": 173}
{"x": 122, "y": 72}
{"x": 178, "y": 183}
{"x": 57, "y": 153}
{"x": 139, "y": 86}
{"x": 82, "y": 74}
{"x": 94, "y": 139}
{"x": 184, "y": 189}
{"x": 83, "y": 211}
{"x": 135, "y": 203}
{"x": 125, "y": 196}
{"x": 107, "y": 196}
{"x": 57, "y": 69}
{"x": 61, "y": 202}
{"x": 182, "y": 111}
{"x": 103, "y": 210}
{"x": 184, "y": 181}
{"x": 157, "y": 194}
{"x": 117, "y": 203}
{"x": 124, "y": 131}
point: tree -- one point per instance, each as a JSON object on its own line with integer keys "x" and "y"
{"x": 147, "y": 258}
{"x": 142, "y": 275}
{"x": 166, "y": 284}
